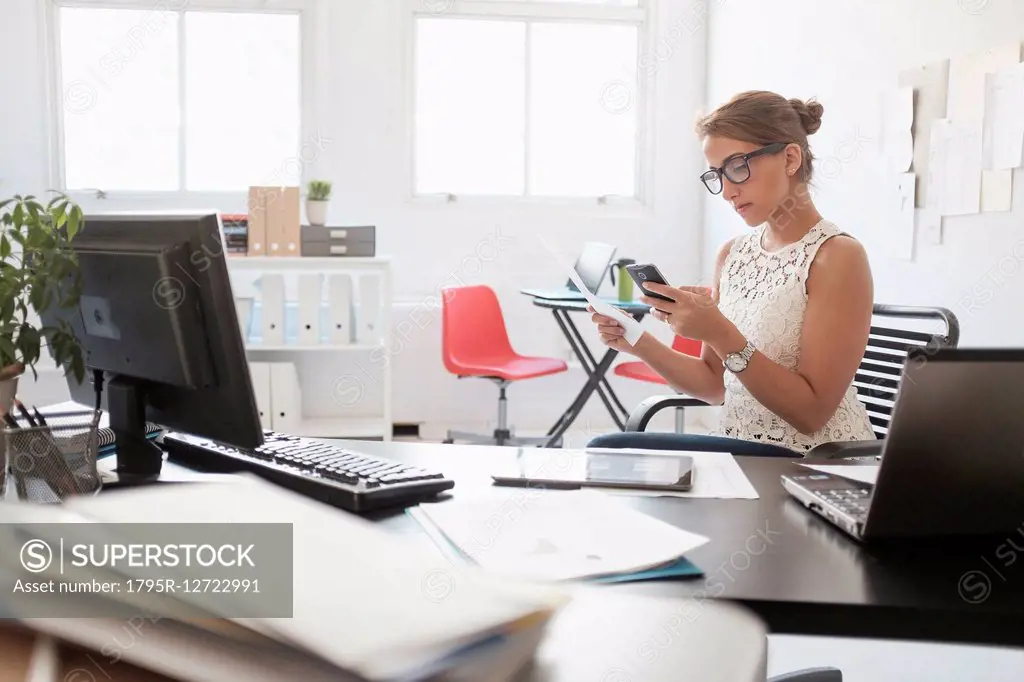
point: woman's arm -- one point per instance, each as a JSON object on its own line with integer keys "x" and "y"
{"x": 832, "y": 342}
{"x": 698, "y": 377}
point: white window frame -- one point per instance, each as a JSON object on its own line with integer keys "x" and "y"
{"x": 50, "y": 43}
{"x": 642, "y": 17}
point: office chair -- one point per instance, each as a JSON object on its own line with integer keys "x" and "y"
{"x": 641, "y": 371}
{"x": 475, "y": 344}
{"x": 877, "y": 379}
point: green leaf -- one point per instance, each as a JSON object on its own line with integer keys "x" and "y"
{"x": 8, "y": 353}
{"x": 5, "y": 247}
{"x": 73, "y": 222}
{"x": 18, "y": 215}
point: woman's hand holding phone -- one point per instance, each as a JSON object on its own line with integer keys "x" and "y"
{"x": 693, "y": 313}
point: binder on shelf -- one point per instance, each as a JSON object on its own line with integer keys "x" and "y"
{"x": 257, "y": 228}
{"x": 339, "y": 309}
{"x": 310, "y": 292}
{"x": 259, "y": 373}
{"x": 287, "y": 397}
{"x": 282, "y": 221}
{"x": 272, "y": 308}
{"x": 368, "y": 329}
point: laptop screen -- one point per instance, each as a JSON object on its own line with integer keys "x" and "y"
{"x": 593, "y": 264}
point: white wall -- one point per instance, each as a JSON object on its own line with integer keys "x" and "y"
{"x": 844, "y": 52}
{"x": 360, "y": 115}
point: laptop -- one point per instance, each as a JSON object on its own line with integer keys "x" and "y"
{"x": 592, "y": 266}
{"x": 952, "y": 462}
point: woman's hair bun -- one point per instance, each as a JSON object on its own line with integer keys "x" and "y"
{"x": 810, "y": 114}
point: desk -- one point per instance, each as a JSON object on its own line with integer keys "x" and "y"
{"x": 596, "y": 371}
{"x": 791, "y": 568}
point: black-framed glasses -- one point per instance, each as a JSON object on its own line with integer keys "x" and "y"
{"x": 737, "y": 168}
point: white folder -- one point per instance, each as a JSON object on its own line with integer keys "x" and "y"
{"x": 310, "y": 291}
{"x": 339, "y": 309}
{"x": 272, "y": 309}
{"x": 259, "y": 373}
{"x": 368, "y": 330}
{"x": 284, "y": 384}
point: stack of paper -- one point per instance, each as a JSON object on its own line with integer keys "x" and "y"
{"x": 559, "y": 536}
{"x": 362, "y": 598}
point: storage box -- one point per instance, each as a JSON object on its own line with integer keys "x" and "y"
{"x": 339, "y": 241}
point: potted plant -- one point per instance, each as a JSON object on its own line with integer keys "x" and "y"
{"x": 38, "y": 271}
{"x": 317, "y": 196}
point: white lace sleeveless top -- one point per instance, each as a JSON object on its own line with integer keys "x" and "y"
{"x": 764, "y": 294}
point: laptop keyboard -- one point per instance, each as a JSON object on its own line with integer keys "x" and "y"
{"x": 851, "y": 501}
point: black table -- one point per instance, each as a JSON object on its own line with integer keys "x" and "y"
{"x": 790, "y": 567}
{"x": 596, "y": 370}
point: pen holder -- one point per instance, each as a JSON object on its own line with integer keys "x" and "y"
{"x": 48, "y": 464}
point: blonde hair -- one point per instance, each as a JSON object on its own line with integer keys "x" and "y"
{"x": 762, "y": 117}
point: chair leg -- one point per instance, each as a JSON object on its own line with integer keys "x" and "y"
{"x": 680, "y": 420}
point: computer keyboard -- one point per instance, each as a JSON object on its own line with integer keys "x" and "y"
{"x": 343, "y": 478}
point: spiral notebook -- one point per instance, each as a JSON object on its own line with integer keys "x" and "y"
{"x": 105, "y": 442}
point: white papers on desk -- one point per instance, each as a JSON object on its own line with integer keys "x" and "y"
{"x": 352, "y": 582}
{"x": 716, "y": 475}
{"x": 954, "y": 173}
{"x": 633, "y": 329}
{"x": 1004, "y": 119}
{"x": 559, "y": 535}
{"x": 864, "y": 473}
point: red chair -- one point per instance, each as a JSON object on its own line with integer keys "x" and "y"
{"x": 475, "y": 343}
{"x": 641, "y": 371}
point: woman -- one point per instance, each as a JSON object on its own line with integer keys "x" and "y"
{"x": 786, "y": 323}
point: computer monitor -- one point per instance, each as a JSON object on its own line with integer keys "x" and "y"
{"x": 157, "y": 318}
{"x": 592, "y": 265}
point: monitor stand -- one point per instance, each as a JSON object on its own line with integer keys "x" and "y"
{"x": 138, "y": 458}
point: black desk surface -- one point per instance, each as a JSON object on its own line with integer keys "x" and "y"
{"x": 792, "y": 568}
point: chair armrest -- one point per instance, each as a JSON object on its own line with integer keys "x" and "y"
{"x": 844, "y": 449}
{"x": 810, "y": 675}
{"x": 642, "y": 413}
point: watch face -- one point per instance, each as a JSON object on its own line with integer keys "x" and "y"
{"x": 735, "y": 363}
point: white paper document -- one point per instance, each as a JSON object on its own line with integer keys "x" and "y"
{"x": 633, "y": 328}
{"x": 865, "y": 473}
{"x": 954, "y": 174}
{"x": 560, "y": 535}
{"x": 901, "y": 239}
{"x": 897, "y": 124}
{"x": 1004, "y": 119}
{"x": 929, "y": 83}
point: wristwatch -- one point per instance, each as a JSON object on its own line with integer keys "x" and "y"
{"x": 737, "y": 362}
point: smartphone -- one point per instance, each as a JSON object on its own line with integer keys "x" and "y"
{"x": 647, "y": 272}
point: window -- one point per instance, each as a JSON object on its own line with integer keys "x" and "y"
{"x": 167, "y": 100}
{"x": 529, "y": 98}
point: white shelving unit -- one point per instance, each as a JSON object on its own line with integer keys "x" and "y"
{"x": 340, "y": 422}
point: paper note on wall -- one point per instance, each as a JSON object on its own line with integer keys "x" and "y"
{"x": 966, "y": 102}
{"x": 901, "y": 215}
{"x": 897, "y": 124}
{"x": 929, "y": 83}
{"x": 1004, "y": 119}
{"x": 954, "y": 170}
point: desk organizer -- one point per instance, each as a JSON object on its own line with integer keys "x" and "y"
{"x": 48, "y": 464}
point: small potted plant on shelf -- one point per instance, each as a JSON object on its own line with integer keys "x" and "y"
{"x": 317, "y": 197}
{"x": 38, "y": 272}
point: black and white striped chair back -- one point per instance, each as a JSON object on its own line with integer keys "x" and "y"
{"x": 878, "y": 377}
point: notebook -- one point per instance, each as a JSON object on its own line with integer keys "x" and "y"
{"x": 104, "y": 435}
